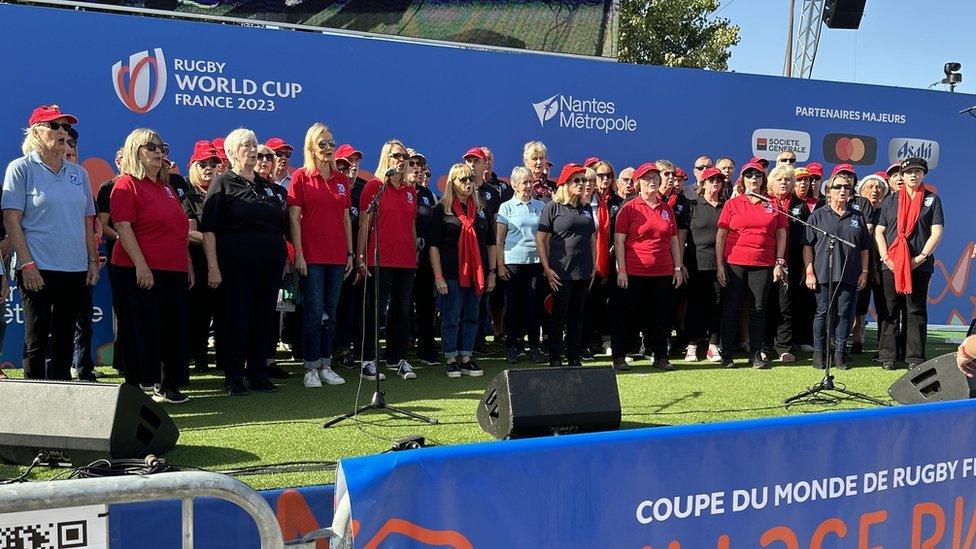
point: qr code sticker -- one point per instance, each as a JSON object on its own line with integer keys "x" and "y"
{"x": 69, "y": 528}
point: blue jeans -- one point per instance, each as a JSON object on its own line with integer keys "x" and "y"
{"x": 459, "y": 308}
{"x": 842, "y": 315}
{"x": 320, "y": 296}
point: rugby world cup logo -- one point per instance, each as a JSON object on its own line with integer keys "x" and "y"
{"x": 141, "y": 84}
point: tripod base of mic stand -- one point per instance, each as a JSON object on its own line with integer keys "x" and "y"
{"x": 827, "y": 384}
{"x": 379, "y": 403}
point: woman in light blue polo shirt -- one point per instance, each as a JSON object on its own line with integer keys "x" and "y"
{"x": 517, "y": 222}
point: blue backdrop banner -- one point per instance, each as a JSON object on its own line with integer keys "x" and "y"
{"x": 879, "y": 478}
{"x": 192, "y": 81}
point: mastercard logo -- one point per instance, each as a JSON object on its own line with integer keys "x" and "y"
{"x": 841, "y": 148}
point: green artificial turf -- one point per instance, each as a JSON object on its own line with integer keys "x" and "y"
{"x": 220, "y": 432}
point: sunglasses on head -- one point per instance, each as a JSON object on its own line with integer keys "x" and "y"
{"x": 266, "y": 156}
{"x": 153, "y": 147}
{"x": 72, "y": 143}
{"x": 466, "y": 179}
{"x": 57, "y": 125}
{"x": 400, "y": 156}
{"x": 703, "y": 167}
{"x": 326, "y": 144}
{"x": 208, "y": 164}
{"x": 284, "y": 153}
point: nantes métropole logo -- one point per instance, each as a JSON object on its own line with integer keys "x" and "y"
{"x": 141, "y": 84}
{"x": 583, "y": 114}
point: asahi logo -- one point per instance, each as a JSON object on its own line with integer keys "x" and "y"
{"x": 901, "y": 148}
{"x": 583, "y": 114}
{"x": 141, "y": 84}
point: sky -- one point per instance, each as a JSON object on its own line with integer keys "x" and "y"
{"x": 901, "y": 43}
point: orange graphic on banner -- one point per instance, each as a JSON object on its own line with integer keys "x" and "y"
{"x": 448, "y": 538}
{"x": 957, "y": 281}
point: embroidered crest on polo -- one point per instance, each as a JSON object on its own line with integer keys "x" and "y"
{"x": 855, "y": 223}
{"x": 426, "y": 201}
{"x": 797, "y": 210}
{"x": 354, "y": 211}
{"x": 665, "y": 215}
{"x": 929, "y": 200}
{"x": 481, "y": 214}
{"x": 342, "y": 188}
{"x": 410, "y": 198}
{"x": 169, "y": 192}
{"x": 75, "y": 180}
{"x": 268, "y": 191}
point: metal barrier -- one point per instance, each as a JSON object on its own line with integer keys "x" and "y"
{"x": 36, "y": 496}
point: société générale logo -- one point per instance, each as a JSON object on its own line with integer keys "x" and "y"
{"x": 583, "y": 114}
{"x": 768, "y": 143}
{"x": 848, "y": 148}
{"x": 901, "y": 148}
{"x": 141, "y": 84}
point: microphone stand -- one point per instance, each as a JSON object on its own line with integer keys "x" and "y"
{"x": 378, "y": 402}
{"x": 827, "y": 383}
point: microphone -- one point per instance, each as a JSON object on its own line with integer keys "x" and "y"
{"x": 391, "y": 172}
{"x": 759, "y": 196}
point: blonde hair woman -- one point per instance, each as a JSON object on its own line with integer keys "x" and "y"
{"x": 243, "y": 225}
{"x": 153, "y": 270}
{"x": 462, "y": 255}
{"x": 535, "y": 157}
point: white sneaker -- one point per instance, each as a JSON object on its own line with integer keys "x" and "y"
{"x": 405, "y": 370}
{"x": 691, "y": 353}
{"x": 787, "y": 357}
{"x": 326, "y": 375}
{"x": 713, "y": 354}
{"x": 74, "y": 373}
{"x": 312, "y": 378}
{"x": 607, "y": 351}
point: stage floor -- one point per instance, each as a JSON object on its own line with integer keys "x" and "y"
{"x": 220, "y": 432}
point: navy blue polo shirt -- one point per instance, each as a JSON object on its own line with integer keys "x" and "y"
{"x": 930, "y": 214}
{"x": 852, "y": 227}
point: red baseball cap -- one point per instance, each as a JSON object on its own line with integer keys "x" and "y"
{"x": 882, "y": 175}
{"x": 474, "y": 151}
{"x": 815, "y": 169}
{"x": 277, "y": 143}
{"x": 47, "y": 113}
{"x": 345, "y": 151}
{"x": 644, "y": 168}
{"x": 218, "y": 143}
{"x": 840, "y": 168}
{"x": 761, "y": 161}
{"x": 894, "y": 168}
{"x": 589, "y": 162}
{"x": 569, "y": 170}
{"x": 712, "y": 172}
{"x": 680, "y": 173}
{"x": 752, "y": 165}
{"x": 202, "y": 150}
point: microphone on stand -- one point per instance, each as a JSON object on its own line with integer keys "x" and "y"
{"x": 759, "y": 196}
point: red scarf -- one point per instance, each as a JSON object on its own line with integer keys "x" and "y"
{"x": 909, "y": 209}
{"x": 541, "y": 189}
{"x": 469, "y": 256}
{"x": 603, "y": 235}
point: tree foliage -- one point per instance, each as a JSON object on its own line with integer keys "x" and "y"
{"x": 675, "y": 33}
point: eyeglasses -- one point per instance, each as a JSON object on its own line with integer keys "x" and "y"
{"x": 165, "y": 149}
{"x": 208, "y": 164}
{"x": 400, "y": 156}
{"x": 842, "y": 187}
{"x": 751, "y": 174}
{"x": 593, "y": 180}
{"x": 667, "y": 174}
{"x": 607, "y": 175}
{"x": 326, "y": 144}
{"x": 415, "y": 163}
{"x": 72, "y": 143}
{"x": 266, "y": 156}
{"x": 787, "y": 160}
{"x": 577, "y": 180}
{"x": 465, "y": 179}
{"x": 703, "y": 167}
{"x": 153, "y": 147}
{"x": 57, "y": 125}
{"x": 285, "y": 153}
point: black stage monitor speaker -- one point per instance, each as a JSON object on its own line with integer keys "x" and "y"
{"x": 843, "y": 14}
{"x": 936, "y": 380}
{"x": 78, "y": 423}
{"x": 536, "y": 402}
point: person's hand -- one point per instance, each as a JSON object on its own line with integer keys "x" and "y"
{"x": 4, "y": 288}
{"x": 889, "y": 263}
{"x": 622, "y": 279}
{"x": 213, "y": 277}
{"x": 144, "y": 277}
{"x": 917, "y": 261}
{"x": 348, "y": 270}
{"x": 190, "y": 277}
{"x": 679, "y": 277}
{"x": 862, "y": 281}
{"x": 684, "y": 272}
{"x": 490, "y": 283}
{"x": 362, "y": 273}
{"x": 441, "y": 285}
{"x": 300, "y": 265}
{"x": 778, "y": 273}
{"x": 31, "y": 279}
{"x": 811, "y": 280}
{"x": 971, "y": 256}
{"x": 720, "y": 275}
{"x": 553, "y": 279}
{"x": 503, "y": 273}
{"x": 92, "y": 277}
{"x": 965, "y": 362}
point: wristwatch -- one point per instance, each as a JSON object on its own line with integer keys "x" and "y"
{"x": 780, "y": 261}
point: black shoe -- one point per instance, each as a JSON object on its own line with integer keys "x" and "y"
{"x": 556, "y": 363}
{"x": 728, "y": 363}
{"x": 171, "y": 396}
{"x": 818, "y": 360}
{"x": 430, "y": 359}
{"x": 586, "y": 354}
{"x": 888, "y": 365}
{"x": 264, "y": 386}
{"x": 538, "y": 357}
{"x": 200, "y": 366}
{"x": 840, "y": 362}
{"x": 88, "y": 378}
{"x": 453, "y": 370}
{"x": 471, "y": 368}
{"x": 576, "y": 363}
{"x": 277, "y": 372}
{"x": 346, "y": 360}
{"x": 759, "y": 363}
{"x": 662, "y": 364}
{"x": 857, "y": 348}
{"x": 620, "y": 364}
{"x": 237, "y": 388}
{"x": 512, "y": 356}
{"x": 481, "y": 348}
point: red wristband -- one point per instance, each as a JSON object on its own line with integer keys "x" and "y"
{"x": 29, "y": 265}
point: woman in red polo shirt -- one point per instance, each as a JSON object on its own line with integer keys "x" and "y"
{"x": 649, "y": 267}
{"x": 749, "y": 248}
{"x": 153, "y": 269}
{"x": 398, "y": 259}
{"x": 321, "y": 231}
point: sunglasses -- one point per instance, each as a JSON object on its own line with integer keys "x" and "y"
{"x": 842, "y": 187}
{"x": 577, "y": 180}
{"x": 415, "y": 163}
{"x": 72, "y": 143}
{"x": 153, "y": 147}
{"x": 283, "y": 153}
{"x": 466, "y": 179}
{"x": 667, "y": 174}
{"x": 788, "y": 161}
{"x": 326, "y": 144}
{"x": 346, "y": 170}
{"x": 205, "y": 164}
{"x": 400, "y": 156}
{"x": 703, "y": 167}
{"x": 57, "y": 125}
{"x": 605, "y": 175}
{"x": 752, "y": 174}
{"x": 266, "y": 156}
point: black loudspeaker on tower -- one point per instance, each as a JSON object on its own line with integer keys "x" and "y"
{"x": 936, "y": 380}
{"x": 536, "y": 402}
{"x": 843, "y": 14}
{"x": 78, "y": 423}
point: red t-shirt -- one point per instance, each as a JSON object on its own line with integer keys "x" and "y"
{"x": 649, "y": 229}
{"x": 398, "y": 208}
{"x": 158, "y": 221}
{"x": 324, "y": 205}
{"x": 752, "y": 232}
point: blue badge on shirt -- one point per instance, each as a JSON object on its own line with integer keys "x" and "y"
{"x": 74, "y": 179}
{"x": 268, "y": 191}
{"x": 928, "y": 201}
{"x": 797, "y": 210}
{"x": 481, "y": 214}
{"x": 342, "y": 188}
{"x": 665, "y": 215}
{"x": 354, "y": 211}
{"x": 856, "y": 206}
{"x": 678, "y": 208}
{"x": 426, "y": 201}
{"x": 855, "y": 223}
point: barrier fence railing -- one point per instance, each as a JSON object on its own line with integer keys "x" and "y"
{"x": 184, "y": 486}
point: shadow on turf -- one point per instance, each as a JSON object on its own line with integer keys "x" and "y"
{"x": 208, "y": 456}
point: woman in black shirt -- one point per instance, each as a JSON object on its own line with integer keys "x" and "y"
{"x": 704, "y": 294}
{"x": 243, "y": 225}
{"x": 566, "y": 245}
{"x": 202, "y": 303}
{"x": 462, "y": 256}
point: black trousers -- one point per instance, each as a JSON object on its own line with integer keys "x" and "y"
{"x": 200, "y": 313}
{"x": 645, "y": 311}
{"x": 395, "y": 292}
{"x": 118, "y": 361}
{"x": 778, "y": 334}
{"x": 49, "y": 324}
{"x": 804, "y": 306}
{"x": 83, "y": 360}
{"x": 425, "y": 309}
{"x": 597, "y": 321}
{"x": 251, "y": 265}
{"x": 154, "y": 338}
{"x": 704, "y": 308}
{"x": 916, "y": 327}
{"x": 349, "y": 316}
{"x": 745, "y": 286}
{"x": 523, "y": 297}
{"x": 567, "y": 312}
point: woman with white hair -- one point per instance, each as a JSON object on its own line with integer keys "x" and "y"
{"x": 535, "y": 156}
{"x": 48, "y": 212}
{"x": 243, "y": 225}
{"x": 875, "y": 189}
{"x": 781, "y": 320}
{"x": 153, "y": 269}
